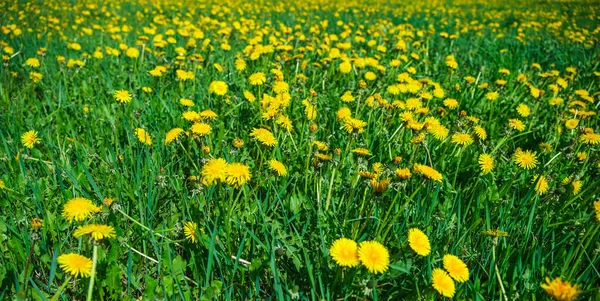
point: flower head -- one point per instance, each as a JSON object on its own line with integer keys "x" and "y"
{"x": 462, "y": 139}
{"x": 122, "y": 96}
{"x": 218, "y": 87}
{"x": 189, "y": 230}
{"x": 75, "y": 264}
{"x": 486, "y": 163}
{"x": 29, "y": 139}
{"x": 97, "y": 232}
{"x": 374, "y": 256}
{"x": 237, "y": 174}
{"x": 560, "y": 290}
{"x": 428, "y": 172}
{"x": 590, "y": 138}
{"x": 442, "y": 283}
{"x": 257, "y": 79}
{"x": 419, "y": 242}
{"x": 456, "y": 268}
{"x": 143, "y": 136}
{"x": 173, "y": 135}
{"x": 79, "y": 209}
{"x": 525, "y": 159}
{"x": 277, "y": 167}
{"x": 201, "y": 128}
{"x": 344, "y": 252}
{"x": 264, "y": 136}
{"x": 213, "y": 170}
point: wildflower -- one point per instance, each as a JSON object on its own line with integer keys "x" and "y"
{"x": 451, "y": 103}
{"x": 237, "y": 174}
{"x": 201, "y": 129}
{"x": 462, "y": 139}
{"x": 345, "y": 67}
{"x": 590, "y": 138}
{"x": 218, "y": 87}
{"x": 35, "y": 76}
{"x": 428, "y": 172}
{"x": 281, "y": 87}
{"x": 264, "y": 136}
{"x": 172, "y": 135}
{"x": 597, "y": 209}
{"x": 353, "y": 125}
{"x": 285, "y": 122}
{"x": 238, "y": 143}
{"x": 29, "y": 139}
{"x": 343, "y": 113}
{"x": 344, "y": 252}
{"x": 79, "y": 209}
{"x": 122, "y": 96}
{"x": 419, "y": 242}
{"x": 347, "y": 97}
{"x": 492, "y": 95}
{"x": 143, "y": 136}
{"x": 438, "y": 131}
{"x": 32, "y": 62}
{"x": 213, "y": 170}
{"x": 361, "y": 151}
{"x": 374, "y": 256}
{"x": 456, "y": 268}
{"x": 486, "y": 163}
{"x": 495, "y": 233}
{"x": 577, "y": 184}
{"x": 571, "y": 123}
{"x": 186, "y": 102}
{"x": 523, "y": 110}
{"x": 541, "y": 186}
{"x": 560, "y": 290}
{"x": 191, "y": 116}
{"x": 480, "y": 132}
{"x": 36, "y": 223}
{"x": 441, "y": 282}
{"x": 379, "y": 185}
{"x": 516, "y": 124}
{"x": 185, "y": 75}
{"x": 75, "y": 264}
{"x": 403, "y": 173}
{"x": 132, "y": 52}
{"x": 277, "y": 167}
{"x": 189, "y": 230}
{"x": 257, "y": 79}
{"x": 525, "y": 159}
{"x": 97, "y": 232}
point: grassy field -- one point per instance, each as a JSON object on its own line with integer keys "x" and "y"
{"x": 252, "y": 150}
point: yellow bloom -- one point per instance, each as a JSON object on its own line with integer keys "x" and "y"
{"x": 143, "y": 136}
{"x": 525, "y": 159}
{"x": 523, "y": 110}
{"x": 218, "y": 87}
{"x": 541, "y": 186}
{"x": 379, "y": 185}
{"x": 29, "y": 139}
{"x": 353, "y": 125}
{"x": 362, "y": 151}
{"x": 189, "y": 230}
{"x": 428, "y": 172}
{"x": 374, "y": 256}
{"x": 560, "y": 290}
{"x": 451, "y": 103}
{"x": 122, "y": 96}
{"x": 186, "y": 102}
{"x": 462, "y": 139}
{"x": 456, "y": 268}
{"x": 480, "y": 132}
{"x": 403, "y": 173}
{"x": 344, "y": 252}
{"x": 213, "y": 170}
{"x": 590, "y": 138}
{"x": 201, "y": 129}
{"x": 442, "y": 283}
{"x": 237, "y": 174}
{"x": 75, "y": 264}
{"x": 345, "y": 67}
{"x": 577, "y": 184}
{"x": 172, "y": 135}
{"x": 571, "y": 123}
{"x": 79, "y": 209}
{"x": 264, "y": 136}
{"x": 419, "y": 242}
{"x": 597, "y": 209}
{"x": 516, "y": 124}
{"x": 277, "y": 167}
{"x": 36, "y": 223}
{"x": 32, "y": 62}
{"x": 257, "y": 79}
{"x": 97, "y": 232}
{"x": 486, "y": 163}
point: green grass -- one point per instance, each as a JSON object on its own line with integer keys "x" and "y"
{"x": 270, "y": 239}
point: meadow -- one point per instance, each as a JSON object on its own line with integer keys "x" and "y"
{"x": 300, "y": 150}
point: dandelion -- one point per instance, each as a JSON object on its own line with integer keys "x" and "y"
{"x": 442, "y": 283}
{"x": 143, "y": 136}
{"x": 438, "y": 131}
{"x": 541, "y": 186}
{"x": 486, "y": 163}
{"x": 597, "y": 209}
{"x": 428, "y": 172}
{"x": 456, "y": 268}
{"x": 343, "y": 113}
{"x": 419, "y": 242}
{"x": 201, "y": 129}
{"x": 516, "y": 124}
{"x": 237, "y": 174}
{"x": 523, "y": 110}
{"x": 35, "y": 223}
{"x": 560, "y": 290}
{"x": 189, "y": 230}
{"x": 238, "y": 143}
{"x": 122, "y": 96}
{"x": 35, "y": 76}
{"x": 213, "y": 171}
{"x": 97, "y": 232}
{"x": 185, "y": 75}
{"x": 32, "y": 62}
{"x": 590, "y": 138}
{"x": 257, "y": 79}
{"x": 495, "y": 233}
{"x": 462, "y": 139}
{"x": 577, "y": 184}
{"x": 29, "y": 139}
{"x": 190, "y": 116}
{"x": 277, "y": 167}
{"x": 361, "y": 151}
{"x": 172, "y": 135}
{"x": 264, "y": 136}
{"x": 374, "y": 256}
{"x": 218, "y": 87}
{"x": 79, "y": 209}
{"x": 281, "y": 87}
{"x": 403, "y": 173}
{"x": 492, "y": 95}
{"x": 379, "y": 185}
{"x": 571, "y": 123}
{"x": 353, "y": 125}
{"x": 525, "y": 159}
{"x": 451, "y": 103}
{"x": 132, "y": 52}
{"x": 75, "y": 264}
{"x": 345, "y": 67}
{"x": 344, "y": 252}
{"x": 347, "y": 97}
{"x": 2, "y": 185}
{"x": 186, "y": 102}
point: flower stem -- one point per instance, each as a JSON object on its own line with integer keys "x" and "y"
{"x": 60, "y": 289}
{"x": 93, "y": 274}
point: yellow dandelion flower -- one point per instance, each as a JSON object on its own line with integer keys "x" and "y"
{"x": 379, "y": 185}
{"x": 374, "y": 256}
{"x": 438, "y": 131}
{"x": 218, "y": 87}
{"x": 451, "y": 103}
{"x": 281, "y": 87}
{"x": 462, "y": 139}
{"x": 264, "y": 136}
{"x": 36, "y": 223}
{"x": 571, "y": 123}
{"x": 560, "y": 290}
{"x": 75, "y": 264}
{"x": 590, "y": 138}
{"x": 577, "y": 184}
{"x": 343, "y": 113}
{"x": 201, "y": 129}
{"x": 143, "y": 136}
{"x": 257, "y": 79}
{"x": 480, "y": 132}
{"x": 492, "y": 95}
{"x": 541, "y": 186}
{"x": 419, "y": 242}
{"x": 186, "y": 102}
{"x": 428, "y": 172}
{"x": 344, "y": 252}
{"x": 345, "y": 67}
{"x": 277, "y": 167}
{"x": 97, "y": 232}
{"x": 597, "y": 209}
{"x": 122, "y": 96}
{"x": 516, "y": 124}
{"x": 79, "y": 209}
{"x": 191, "y": 116}
{"x": 361, "y": 151}
{"x": 189, "y": 230}
{"x": 237, "y": 174}
{"x": 403, "y": 173}
{"x": 486, "y": 163}
{"x": 213, "y": 171}
{"x": 456, "y": 268}
{"x": 525, "y": 159}
{"x": 523, "y": 110}
{"x": 29, "y": 139}
{"x": 441, "y": 282}
{"x": 172, "y": 135}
